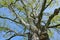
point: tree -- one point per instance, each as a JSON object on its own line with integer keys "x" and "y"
{"x": 33, "y": 12}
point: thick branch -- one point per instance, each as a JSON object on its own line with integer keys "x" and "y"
{"x": 56, "y": 11}
{"x": 29, "y": 19}
{"x": 41, "y": 14}
{"x": 20, "y": 19}
{"x": 33, "y": 27}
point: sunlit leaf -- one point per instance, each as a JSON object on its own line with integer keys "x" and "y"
{"x": 4, "y": 29}
{"x": 12, "y": 1}
{"x": 1, "y": 6}
{"x": 56, "y": 19}
{"x": 50, "y": 33}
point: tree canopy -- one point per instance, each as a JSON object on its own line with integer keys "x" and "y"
{"x": 29, "y": 14}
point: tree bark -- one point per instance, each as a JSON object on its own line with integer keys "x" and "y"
{"x": 44, "y": 36}
{"x": 29, "y": 36}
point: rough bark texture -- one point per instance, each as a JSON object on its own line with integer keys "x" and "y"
{"x": 42, "y": 36}
{"x": 29, "y": 36}
{"x": 35, "y": 37}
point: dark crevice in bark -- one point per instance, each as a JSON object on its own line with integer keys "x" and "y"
{"x": 29, "y": 36}
{"x": 43, "y": 34}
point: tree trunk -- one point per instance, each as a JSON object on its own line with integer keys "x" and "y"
{"x": 29, "y": 36}
{"x": 35, "y": 37}
{"x": 44, "y": 36}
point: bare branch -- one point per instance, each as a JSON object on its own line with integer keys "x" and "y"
{"x": 41, "y": 14}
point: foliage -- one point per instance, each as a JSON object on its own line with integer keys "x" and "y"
{"x": 31, "y": 19}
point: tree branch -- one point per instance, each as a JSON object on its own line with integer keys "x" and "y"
{"x": 15, "y": 33}
{"x": 29, "y": 19}
{"x": 10, "y": 19}
{"x": 11, "y": 37}
{"x": 33, "y": 27}
{"x": 48, "y": 4}
{"x": 10, "y": 30}
{"x": 54, "y": 26}
{"x": 24, "y": 35}
{"x": 27, "y": 14}
{"x": 18, "y": 16}
{"x": 21, "y": 22}
{"x": 41, "y": 14}
{"x": 56, "y": 11}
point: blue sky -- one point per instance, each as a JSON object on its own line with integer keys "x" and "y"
{"x": 18, "y": 28}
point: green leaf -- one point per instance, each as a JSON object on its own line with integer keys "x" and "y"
{"x": 4, "y": 3}
{"x": 4, "y": 29}
{"x": 19, "y": 6}
{"x": 1, "y": 6}
{"x": 12, "y": 1}
{"x": 50, "y": 33}
{"x": 25, "y": 28}
{"x": 56, "y": 18}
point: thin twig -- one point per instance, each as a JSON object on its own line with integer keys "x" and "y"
{"x": 48, "y": 4}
